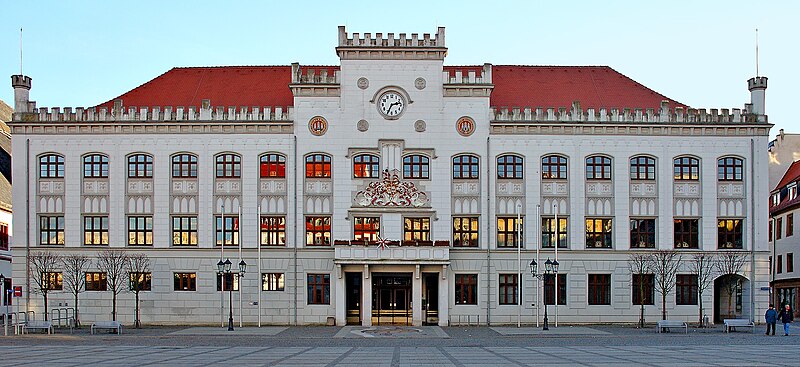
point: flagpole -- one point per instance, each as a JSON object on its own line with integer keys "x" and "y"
{"x": 261, "y": 281}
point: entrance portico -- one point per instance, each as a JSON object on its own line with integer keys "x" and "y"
{"x": 391, "y": 286}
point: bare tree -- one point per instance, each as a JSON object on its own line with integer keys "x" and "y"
{"x": 729, "y": 267}
{"x": 665, "y": 265}
{"x": 702, "y": 265}
{"x": 639, "y": 264}
{"x": 113, "y": 263}
{"x": 43, "y": 266}
{"x": 139, "y": 277}
{"x": 75, "y": 266}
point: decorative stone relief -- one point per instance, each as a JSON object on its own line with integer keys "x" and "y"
{"x": 466, "y": 205}
{"x": 268, "y": 186}
{"x": 510, "y": 188}
{"x": 687, "y": 189}
{"x": 466, "y": 188}
{"x": 419, "y": 126}
{"x": 51, "y": 187}
{"x": 730, "y": 190}
{"x": 95, "y": 187}
{"x": 420, "y": 83}
{"x": 362, "y": 125}
{"x": 318, "y": 126}
{"x": 228, "y": 187}
{"x": 390, "y": 191}
{"x": 599, "y": 188}
{"x": 465, "y": 126}
{"x": 363, "y": 83}
{"x": 140, "y": 186}
{"x": 643, "y": 189}
{"x": 319, "y": 187}
{"x": 184, "y": 187}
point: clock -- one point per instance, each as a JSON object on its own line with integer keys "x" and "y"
{"x": 391, "y": 104}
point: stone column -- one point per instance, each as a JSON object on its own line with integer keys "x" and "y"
{"x": 366, "y": 298}
{"x": 416, "y": 297}
{"x": 340, "y": 304}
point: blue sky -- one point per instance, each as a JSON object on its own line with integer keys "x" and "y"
{"x": 700, "y": 53}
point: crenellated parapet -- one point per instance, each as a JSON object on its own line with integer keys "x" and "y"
{"x": 315, "y": 81}
{"x": 467, "y": 81}
{"x": 121, "y": 113}
{"x": 404, "y": 46}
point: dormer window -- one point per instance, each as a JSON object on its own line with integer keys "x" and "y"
{"x": 792, "y": 191}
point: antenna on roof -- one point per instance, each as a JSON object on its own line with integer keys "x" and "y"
{"x": 756, "y": 52}
{"x": 20, "y": 51}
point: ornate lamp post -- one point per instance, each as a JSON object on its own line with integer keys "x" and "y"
{"x": 224, "y": 269}
{"x": 550, "y": 269}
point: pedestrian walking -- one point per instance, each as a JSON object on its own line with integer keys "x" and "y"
{"x": 771, "y": 317}
{"x": 786, "y": 316}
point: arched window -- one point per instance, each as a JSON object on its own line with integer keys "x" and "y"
{"x": 598, "y": 168}
{"x": 643, "y": 168}
{"x": 318, "y": 166}
{"x": 229, "y": 166}
{"x": 509, "y": 166}
{"x": 686, "y": 169}
{"x": 415, "y": 166}
{"x": 51, "y": 166}
{"x": 140, "y": 166}
{"x": 465, "y": 166}
{"x": 366, "y": 166}
{"x": 184, "y": 166}
{"x": 272, "y": 165}
{"x": 729, "y": 169}
{"x": 95, "y": 166}
{"x": 554, "y": 167}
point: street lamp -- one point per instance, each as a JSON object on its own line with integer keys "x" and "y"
{"x": 224, "y": 270}
{"x": 550, "y": 268}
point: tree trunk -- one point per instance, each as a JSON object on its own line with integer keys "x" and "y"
{"x": 663, "y": 306}
{"x": 137, "y": 323}
{"x": 641, "y": 317}
{"x": 114, "y": 307}
{"x": 700, "y": 301}
{"x": 77, "y": 320}
{"x": 641, "y": 303}
{"x": 45, "y": 306}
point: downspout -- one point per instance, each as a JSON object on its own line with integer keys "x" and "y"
{"x": 296, "y": 236}
{"x": 27, "y": 225}
{"x": 752, "y": 232}
{"x": 488, "y": 236}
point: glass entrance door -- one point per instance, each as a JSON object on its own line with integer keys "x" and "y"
{"x": 391, "y": 299}
{"x": 353, "y": 298}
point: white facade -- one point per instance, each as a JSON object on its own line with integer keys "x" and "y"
{"x": 427, "y": 127}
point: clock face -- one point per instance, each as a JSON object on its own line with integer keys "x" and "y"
{"x": 391, "y": 104}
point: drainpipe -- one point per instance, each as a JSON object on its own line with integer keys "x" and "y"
{"x": 488, "y": 236}
{"x": 752, "y": 232}
{"x": 28, "y": 225}
{"x": 296, "y": 236}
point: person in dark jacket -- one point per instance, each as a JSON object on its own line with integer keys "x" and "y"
{"x": 786, "y": 316}
{"x": 771, "y": 317}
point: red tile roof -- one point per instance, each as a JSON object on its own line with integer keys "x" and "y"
{"x": 792, "y": 174}
{"x": 514, "y": 86}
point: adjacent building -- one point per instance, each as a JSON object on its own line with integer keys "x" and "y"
{"x": 392, "y": 189}
{"x": 5, "y": 193}
{"x": 784, "y": 208}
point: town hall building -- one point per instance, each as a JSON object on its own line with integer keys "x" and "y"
{"x": 391, "y": 189}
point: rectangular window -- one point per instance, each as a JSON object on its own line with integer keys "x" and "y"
{"x": 51, "y": 230}
{"x": 184, "y": 231}
{"x": 140, "y": 281}
{"x": 273, "y": 231}
{"x": 507, "y": 231}
{"x": 4, "y": 236}
{"x": 789, "y": 224}
{"x": 416, "y": 229}
{"x": 778, "y": 228}
{"x": 140, "y": 231}
{"x": 687, "y": 233}
{"x": 686, "y": 289}
{"x": 465, "y": 231}
{"x": 790, "y": 262}
{"x": 318, "y": 231}
{"x": 643, "y": 289}
{"x": 549, "y": 232}
{"x": 319, "y": 289}
{"x": 779, "y": 264}
{"x": 550, "y": 289}
{"x": 231, "y": 280}
{"x": 95, "y": 230}
{"x": 508, "y": 289}
{"x": 52, "y": 281}
{"x": 230, "y": 233}
{"x": 729, "y": 234}
{"x": 643, "y": 233}
{"x": 599, "y": 289}
{"x": 770, "y": 229}
{"x": 466, "y": 289}
{"x": 366, "y": 228}
{"x": 96, "y": 281}
{"x": 185, "y": 282}
{"x": 598, "y": 232}
{"x": 272, "y": 282}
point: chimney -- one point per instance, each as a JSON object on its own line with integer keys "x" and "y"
{"x": 22, "y": 88}
{"x": 758, "y": 89}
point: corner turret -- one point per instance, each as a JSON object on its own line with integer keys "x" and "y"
{"x": 758, "y": 89}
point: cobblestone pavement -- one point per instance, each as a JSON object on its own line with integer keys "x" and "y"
{"x": 430, "y": 346}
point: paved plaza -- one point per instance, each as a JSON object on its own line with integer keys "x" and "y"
{"x": 402, "y": 346}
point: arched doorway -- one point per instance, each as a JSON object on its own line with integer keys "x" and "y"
{"x": 731, "y": 292}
